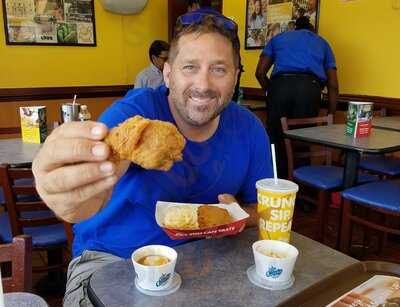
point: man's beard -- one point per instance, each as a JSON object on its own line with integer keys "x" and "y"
{"x": 183, "y": 110}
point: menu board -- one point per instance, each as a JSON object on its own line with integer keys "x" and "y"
{"x": 49, "y": 22}
{"x": 267, "y": 18}
{"x": 378, "y": 291}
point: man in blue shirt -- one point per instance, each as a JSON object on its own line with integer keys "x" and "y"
{"x": 113, "y": 204}
{"x": 303, "y": 64}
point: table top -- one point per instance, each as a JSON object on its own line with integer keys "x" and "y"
{"x": 387, "y": 122}
{"x": 23, "y": 299}
{"x": 14, "y": 151}
{"x": 379, "y": 141}
{"x": 213, "y": 273}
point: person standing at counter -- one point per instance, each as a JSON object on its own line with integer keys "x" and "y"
{"x": 303, "y": 65}
{"x": 113, "y": 204}
{"x": 152, "y": 75}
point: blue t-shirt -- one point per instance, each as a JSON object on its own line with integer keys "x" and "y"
{"x": 231, "y": 161}
{"x": 300, "y": 51}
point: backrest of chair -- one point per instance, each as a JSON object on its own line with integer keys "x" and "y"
{"x": 19, "y": 253}
{"x": 21, "y": 196}
{"x": 70, "y": 234}
{"x": 292, "y": 155}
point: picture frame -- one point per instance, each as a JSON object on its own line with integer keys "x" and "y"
{"x": 49, "y": 22}
{"x": 267, "y": 18}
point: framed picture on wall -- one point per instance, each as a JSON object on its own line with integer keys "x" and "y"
{"x": 267, "y": 18}
{"x": 49, "y": 22}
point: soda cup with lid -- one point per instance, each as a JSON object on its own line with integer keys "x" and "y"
{"x": 276, "y": 201}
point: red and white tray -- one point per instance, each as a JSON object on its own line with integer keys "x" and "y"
{"x": 238, "y": 215}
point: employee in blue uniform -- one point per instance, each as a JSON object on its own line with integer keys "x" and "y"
{"x": 303, "y": 65}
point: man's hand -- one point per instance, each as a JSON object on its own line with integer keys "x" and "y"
{"x": 72, "y": 173}
{"x": 251, "y": 209}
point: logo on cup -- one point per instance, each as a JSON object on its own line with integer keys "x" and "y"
{"x": 163, "y": 280}
{"x": 273, "y": 272}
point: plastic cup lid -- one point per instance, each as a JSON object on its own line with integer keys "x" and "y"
{"x": 283, "y": 185}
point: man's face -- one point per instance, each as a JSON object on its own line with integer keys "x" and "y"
{"x": 159, "y": 61}
{"x": 202, "y": 77}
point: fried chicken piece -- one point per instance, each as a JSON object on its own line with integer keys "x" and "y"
{"x": 210, "y": 216}
{"x": 152, "y": 144}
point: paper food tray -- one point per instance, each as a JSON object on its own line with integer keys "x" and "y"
{"x": 238, "y": 215}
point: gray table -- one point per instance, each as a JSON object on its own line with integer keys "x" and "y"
{"x": 379, "y": 142}
{"x": 16, "y": 152}
{"x": 214, "y": 274}
{"x": 387, "y": 122}
{"x": 23, "y": 299}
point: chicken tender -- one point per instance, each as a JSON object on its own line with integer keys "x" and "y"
{"x": 152, "y": 144}
{"x": 210, "y": 216}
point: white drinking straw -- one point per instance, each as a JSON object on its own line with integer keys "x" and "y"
{"x": 1, "y": 292}
{"x": 274, "y": 163}
{"x": 73, "y": 102}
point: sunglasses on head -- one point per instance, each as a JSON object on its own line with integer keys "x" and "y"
{"x": 220, "y": 20}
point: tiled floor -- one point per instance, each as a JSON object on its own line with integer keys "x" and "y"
{"x": 304, "y": 224}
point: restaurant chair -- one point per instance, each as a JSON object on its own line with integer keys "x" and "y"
{"x": 69, "y": 231}
{"x": 378, "y": 199}
{"x": 19, "y": 254}
{"x": 322, "y": 177}
{"x": 34, "y": 218}
{"x": 383, "y": 165}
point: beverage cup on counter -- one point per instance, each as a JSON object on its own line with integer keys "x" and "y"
{"x": 154, "y": 266}
{"x": 276, "y": 200}
{"x": 274, "y": 260}
{"x": 70, "y": 112}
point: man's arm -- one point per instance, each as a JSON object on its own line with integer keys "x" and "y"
{"x": 263, "y": 66}
{"x": 333, "y": 90}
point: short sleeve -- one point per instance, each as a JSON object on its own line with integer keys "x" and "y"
{"x": 125, "y": 108}
{"x": 269, "y": 50}
{"x": 260, "y": 165}
{"x": 329, "y": 60}
{"x": 140, "y": 80}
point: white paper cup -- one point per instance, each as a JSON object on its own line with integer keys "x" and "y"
{"x": 154, "y": 277}
{"x": 270, "y": 268}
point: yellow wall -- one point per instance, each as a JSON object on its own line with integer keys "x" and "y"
{"x": 364, "y": 35}
{"x": 122, "y": 47}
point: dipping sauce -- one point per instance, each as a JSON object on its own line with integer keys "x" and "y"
{"x": 153, "y": 260}
{"x": 270, "y": 253}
